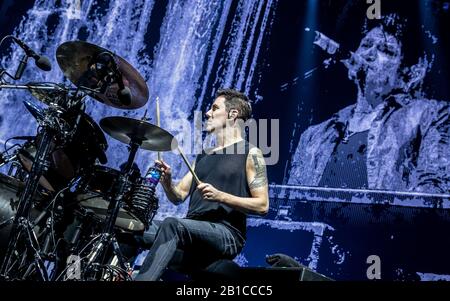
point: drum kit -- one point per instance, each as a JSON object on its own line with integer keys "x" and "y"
{"x": 60, "y": 208}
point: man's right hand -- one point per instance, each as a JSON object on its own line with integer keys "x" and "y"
{"x": 176, "y": 193}
{"x": 166, "y": 174}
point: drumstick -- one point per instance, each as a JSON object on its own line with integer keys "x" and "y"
{"x": 189, "y": 166}
{"x": 158, "y": 121}
{"x": 179, "y": 149}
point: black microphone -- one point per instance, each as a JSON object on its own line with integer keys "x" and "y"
{"x": 21, "y": 67}
{"x": 42, "y": 62}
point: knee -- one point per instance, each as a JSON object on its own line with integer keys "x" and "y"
{"x": 171, "y": 224}
{"x": 148, "y": 237}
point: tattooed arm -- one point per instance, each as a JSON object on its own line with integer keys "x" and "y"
{"x": 258, "y": 203}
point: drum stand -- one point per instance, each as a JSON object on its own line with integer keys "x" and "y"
{"x": 108, "y": 238}
{"x": 22, "y": 229}
{"x": 21, "y": 224}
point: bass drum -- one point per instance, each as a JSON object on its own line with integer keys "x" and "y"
{"x": 10, "y": 189}
{"x": 88, "y": 145}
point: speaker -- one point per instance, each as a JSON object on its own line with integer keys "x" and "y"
{"x": 229, "y": 270}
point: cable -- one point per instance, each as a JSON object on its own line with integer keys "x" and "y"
{"x": 79, "y": 258}
{"x": 6, "y": 142}
{"x": 1, "y": 42}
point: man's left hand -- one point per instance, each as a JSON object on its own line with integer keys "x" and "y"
{"x": 209, "y": 192}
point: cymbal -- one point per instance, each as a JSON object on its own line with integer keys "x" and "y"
{"x": 149, "y": 136}
{"x": 82, "y": 64}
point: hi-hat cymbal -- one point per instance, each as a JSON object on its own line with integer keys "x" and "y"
{"x": 80, "y": 61}
{"x": 147, "y": 135}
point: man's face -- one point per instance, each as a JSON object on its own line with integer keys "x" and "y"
{"x": 376, "y": 61}
{"x": 217, "y": 115}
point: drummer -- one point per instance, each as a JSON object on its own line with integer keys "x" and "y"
{"x": 233, "y": 184}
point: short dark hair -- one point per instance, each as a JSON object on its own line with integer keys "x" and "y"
{"x": 236, "y": 100}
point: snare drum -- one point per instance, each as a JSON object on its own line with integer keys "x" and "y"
{"x": 98, "y": 186}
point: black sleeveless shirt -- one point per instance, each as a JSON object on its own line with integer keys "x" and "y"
{"x": 225, "y": 169}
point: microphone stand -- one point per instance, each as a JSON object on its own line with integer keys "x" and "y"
{"x": 19, "y": 71}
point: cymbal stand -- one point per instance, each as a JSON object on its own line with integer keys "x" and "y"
{"x": 108, "y": 238}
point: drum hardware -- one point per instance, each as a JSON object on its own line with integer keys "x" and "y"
{"x": 6, "y": 223}
{"x": 14, "y": 158}
{"x": 107, "y": 238}
{"x": 47, "y": 234}
{"x": 79, "y": 237}
{"x": 95, "y": 189}
{"x": 32, "y": 232}
{"x": 6, "y": 158}
{"x": 81, "y": 143}
{"x": 137, "y": 134}
{"x": 21, "y": 223}
{"x": 31, "y": 243}
{"x": 84, "y": 217}
{"x": 144, "y": 203}
{"x": 107, "y": 78}
{"x": 52, "y": 126}
{"x": 21, "y": 164}
{"x": 141, "y": 134}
